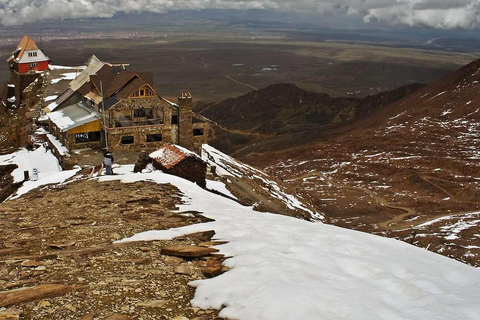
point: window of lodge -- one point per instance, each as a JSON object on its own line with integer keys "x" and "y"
{"x": 157, "y": 137}
{"x": 197, "y": 132}
{"x": 87, "y": 137}
{"x": 127, "y": 140}
{"x": 144, "y": 92}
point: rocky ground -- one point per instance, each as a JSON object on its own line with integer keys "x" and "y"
{"x": 58, "y": 260}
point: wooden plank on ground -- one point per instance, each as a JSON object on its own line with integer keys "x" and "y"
{"x": 43, "y": 291}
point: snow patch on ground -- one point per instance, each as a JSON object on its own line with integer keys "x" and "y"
{"x": 49, "y": 171}
{"x": 438, "y": 95}
{"x": 66, "y": 76}
{"x": 55, "y": 67}
{"x": 286, "y": 268}
{"x": 50, "y": 98}
{"x": 227, "y": 166}
{"x": 220, "y": 187}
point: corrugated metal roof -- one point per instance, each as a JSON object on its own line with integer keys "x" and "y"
{"x": 61, "y": 99}
{"x": 94, "y": 64}
{"x": 73, "y": 116}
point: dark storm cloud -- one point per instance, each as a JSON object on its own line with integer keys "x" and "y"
{"x": 442, "y": 14}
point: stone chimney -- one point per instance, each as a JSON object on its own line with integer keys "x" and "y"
{"x": 185, "y": 127}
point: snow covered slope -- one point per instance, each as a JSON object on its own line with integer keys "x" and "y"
{"x": 49, "y": 171}
{"x": 229, "y": 167}
{"x": 286, "y": 268}
{"x": 414, "y": 162}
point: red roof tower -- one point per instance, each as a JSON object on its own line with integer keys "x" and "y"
{"x": 28, "y": 57}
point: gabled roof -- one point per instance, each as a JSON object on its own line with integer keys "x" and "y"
{"x": 117, "y": 83}
{"x": 67, "y": 94}
{"x": 27, "y": 44}
{"x": 169, "y": 155}
{"x": 131, "y": 87}
{"x": 110, "y": 79}
{"x": 93, "y": 65}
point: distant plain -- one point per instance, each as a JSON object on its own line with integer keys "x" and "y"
{"x": 217, "y": 57}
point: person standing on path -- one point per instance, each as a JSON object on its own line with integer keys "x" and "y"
{"x": 108, "y": 160}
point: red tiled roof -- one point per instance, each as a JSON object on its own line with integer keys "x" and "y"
{"x": 26, "y": 44}
{"x": 168, "y": 156}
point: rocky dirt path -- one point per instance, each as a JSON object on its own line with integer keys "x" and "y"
{"x": 245, "y": 133}
{"x": 452, "y": 196}
{"x": 241, "y": 83}
{"x": 57, "y": 260}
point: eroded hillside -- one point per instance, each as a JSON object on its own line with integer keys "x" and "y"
{"x": 281, "y": 116}
{"x": 409, "y": 170}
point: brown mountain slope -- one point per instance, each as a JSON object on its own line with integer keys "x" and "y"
{"x": 409, "y": 170}
{"x": 283, "y": 115}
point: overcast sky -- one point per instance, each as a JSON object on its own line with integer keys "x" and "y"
{"x": 439, "y": 14}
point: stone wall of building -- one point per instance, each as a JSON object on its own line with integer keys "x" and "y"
{"x": 162, "y": 110}
{"x": 69, "y": 141}
{"x": 139, "y": 134}
{"x": 198, "y": 140}
{"x": 185, "y": 134}
{"x": 21, "y": 81}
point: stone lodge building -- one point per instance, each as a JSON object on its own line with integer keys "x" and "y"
{"x": 130, "y": 116}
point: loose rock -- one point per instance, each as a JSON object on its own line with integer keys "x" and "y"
{"x": 188, "y": 251}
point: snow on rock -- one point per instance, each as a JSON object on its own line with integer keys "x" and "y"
{"x": 219, "y": 187}
{"x": 52, "y": 106}
{"x": 62, "y": 121}
{"x": 49, "y": 171}
{"x": 286, "y": 268}
{"x": 227, "y": 166}
{"x": 50, "y": 98}
{"x": 58, "y": 145}
{"x": 438, "y": 95}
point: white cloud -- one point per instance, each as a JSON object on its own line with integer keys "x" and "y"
{"x": 442, "y": 14}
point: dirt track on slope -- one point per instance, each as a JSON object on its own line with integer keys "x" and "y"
{"x": 266, "y": 204}
{"x": 399, "y": 222}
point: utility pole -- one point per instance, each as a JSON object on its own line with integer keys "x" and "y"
{"x": 104, "y": 115}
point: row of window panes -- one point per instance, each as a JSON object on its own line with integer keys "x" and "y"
{"x": 32, "y": 54}
{"x": 156, "y": 137}
{"x": 87, "y": 137}
{"x": 143, "y": 93}
{"x": 95, "y": 136}
{"x": 33, "y": 64}
{"x": 143, "y": 113}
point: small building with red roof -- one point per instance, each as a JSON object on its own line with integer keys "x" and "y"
{"x": 181, "y": 162}
{"x": 28, "y": 57}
